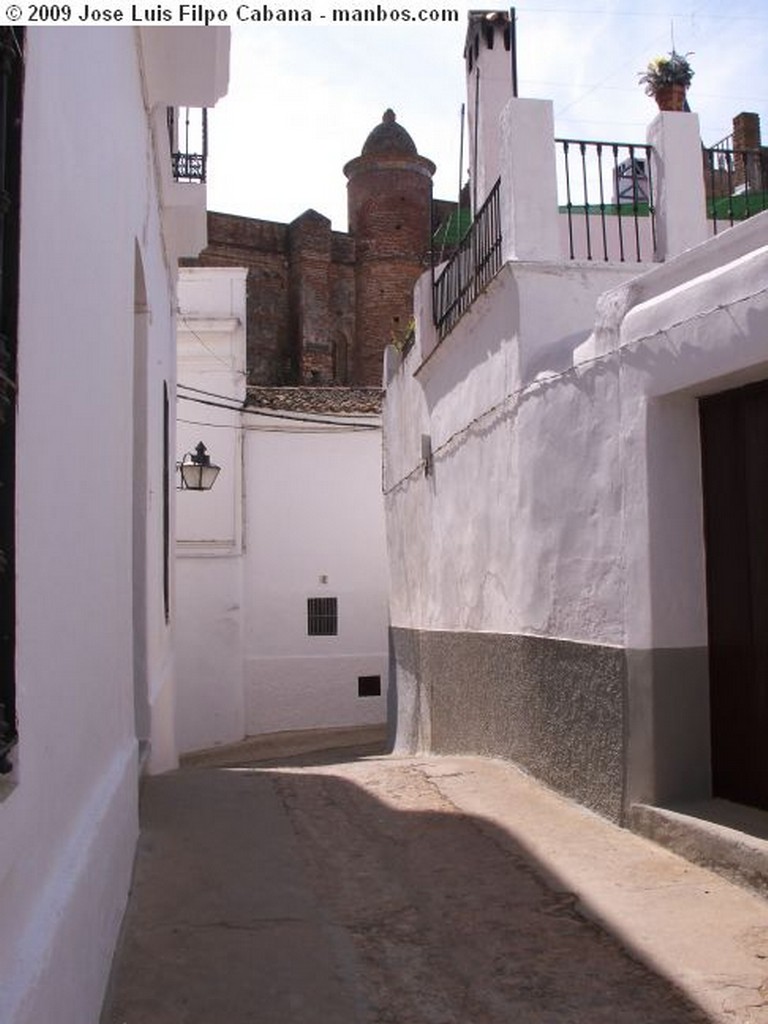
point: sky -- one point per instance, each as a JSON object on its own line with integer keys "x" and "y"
{"x": 303, "y": 97}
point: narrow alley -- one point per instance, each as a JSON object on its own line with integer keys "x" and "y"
{"x": 385, "y": 890}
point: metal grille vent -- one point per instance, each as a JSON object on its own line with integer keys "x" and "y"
{"x": 322, "y": 616}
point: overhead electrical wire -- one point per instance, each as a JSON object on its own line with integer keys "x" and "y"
{"x": 230, "y": 406}
{"x": 265, "y": 428}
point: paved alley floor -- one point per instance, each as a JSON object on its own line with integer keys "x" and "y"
{"x": 385, "y": 890}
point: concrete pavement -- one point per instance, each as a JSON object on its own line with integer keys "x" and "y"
{"x": 385, "y": 890}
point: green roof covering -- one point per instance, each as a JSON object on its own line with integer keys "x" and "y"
{"x": 610, "y": 209}
{"x": 737, "y": 207}
{"x": 453, "y": 229}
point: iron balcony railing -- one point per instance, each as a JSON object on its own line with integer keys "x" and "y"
{"x": 606, "y": 195}
{"x": 726, "y": 143}
{"x": 736, "y": 182}
{"x": 472, "y": 267}
{"x": 188, "y": 138}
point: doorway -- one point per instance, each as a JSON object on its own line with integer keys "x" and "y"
{"x": 734, "y": 446}
{"x": 140, "y": 487}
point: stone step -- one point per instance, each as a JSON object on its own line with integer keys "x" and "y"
{"x": 725, "y": 837}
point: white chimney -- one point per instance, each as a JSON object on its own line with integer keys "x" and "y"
{"x": 488, "y": 57}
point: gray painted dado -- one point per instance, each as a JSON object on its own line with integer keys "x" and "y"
{"x": 599, "y": 724}
{"x": 668, "y": 757}
{"x": 552, "y": 707}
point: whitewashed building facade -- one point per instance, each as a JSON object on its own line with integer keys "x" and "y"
{"x": 88, "y": 670}
{"x": 282, "y": 572}
{"x": 553, "y": 471}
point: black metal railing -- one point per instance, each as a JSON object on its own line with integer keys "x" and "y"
{"x": 725, "y": 143}
{"x": 606, "y": 194}
{"x": 471, "y": 268}
{"x": 188, "y": 138}
{"x": 736, "y": 182}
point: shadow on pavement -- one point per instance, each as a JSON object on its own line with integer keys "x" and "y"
{"x": 355, "y": 894}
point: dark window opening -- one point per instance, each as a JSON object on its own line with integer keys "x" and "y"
{"x": 166, "y": 503}
{"x": 11, "y": 75}
{"x": 369, "y": 686}
{"x": 322, "y": 616}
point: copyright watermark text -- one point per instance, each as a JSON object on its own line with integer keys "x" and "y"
{"x": 229, "y": 14}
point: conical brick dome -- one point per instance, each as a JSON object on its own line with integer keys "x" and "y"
{"x": 389, "y": 138}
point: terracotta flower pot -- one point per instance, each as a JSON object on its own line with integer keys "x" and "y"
{"x": 670, "y": 97}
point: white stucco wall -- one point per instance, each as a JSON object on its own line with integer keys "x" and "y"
{"x": 543, "y": 483}
{"x": 316, "y": 529}
{"x": 501, "y": 402}
{"x": 691, "y": 327}
{"x": 90, "y": 424}
{"x": 526, "y": 425}
{"x": 564, "y": 503}
{"x": 295, "y": 501}
{"x": 537, "y": 508}
{"x": 209, "y": 525}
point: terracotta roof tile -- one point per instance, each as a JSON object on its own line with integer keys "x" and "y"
{"x": 338, "y": 400}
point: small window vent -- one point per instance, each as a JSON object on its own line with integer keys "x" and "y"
{"x": 369, "y": 686}
{"x": 322, "y": 616}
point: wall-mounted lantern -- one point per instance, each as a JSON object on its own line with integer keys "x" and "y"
{"x": 196, "y": 470}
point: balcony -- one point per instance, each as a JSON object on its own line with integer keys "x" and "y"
{"x": 188, "y": 140}
{"x": 736, "y": 183}
{"x": 472, "y": 267}
{"x": 606, "y": 200}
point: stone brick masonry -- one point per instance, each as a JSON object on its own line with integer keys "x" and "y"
{"x": 322, "y": 305}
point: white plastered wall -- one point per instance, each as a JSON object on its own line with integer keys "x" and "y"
{"x": 209, "y": 525}
{"x": 297, "y": 500}
{"x": 540, "y": 436}
{"x": 564, "y": 500}
{"x": 561, "y": 500}
{"x": 315, "y": 529}
{"x": 466, "y": 541}
{"x": 90, "y": 217}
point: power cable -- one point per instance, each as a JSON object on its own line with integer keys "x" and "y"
{"x": 291, "y": 417}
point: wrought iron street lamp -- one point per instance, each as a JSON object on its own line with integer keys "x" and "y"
{"x": 196, "y": 470}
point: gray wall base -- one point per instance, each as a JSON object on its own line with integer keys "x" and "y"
{"x": 554, "y": 708}
{"x": 605, "y": 726}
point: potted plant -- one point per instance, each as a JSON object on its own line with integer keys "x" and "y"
{"x": 666, "y": 79}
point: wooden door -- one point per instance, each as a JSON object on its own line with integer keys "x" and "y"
{"x": 734, "y": 443}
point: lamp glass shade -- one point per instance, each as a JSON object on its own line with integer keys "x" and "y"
{"x": 198, "y": 477}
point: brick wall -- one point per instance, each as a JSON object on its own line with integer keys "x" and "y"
{"x": 389, "y": 201}
{"x": 300, "y": 294}
{"x": 322, "y": 305}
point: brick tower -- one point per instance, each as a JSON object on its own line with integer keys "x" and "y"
{"x": 389, "y": 199}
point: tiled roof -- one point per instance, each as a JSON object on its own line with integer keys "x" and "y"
{"x": 338, "y": 400}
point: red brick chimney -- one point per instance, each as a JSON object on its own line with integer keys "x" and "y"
{"x": 746, "y": 144}
{"x": 746, "y": 131}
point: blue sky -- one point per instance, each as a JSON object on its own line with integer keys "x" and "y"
{"x": 303, "y": 97}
